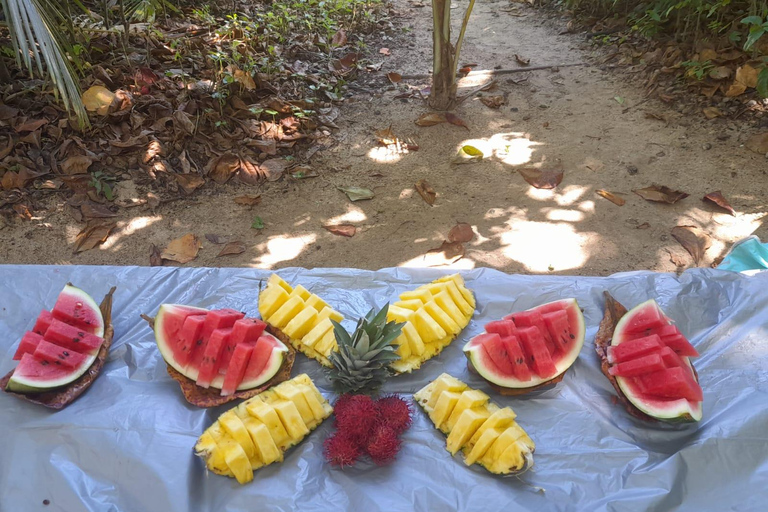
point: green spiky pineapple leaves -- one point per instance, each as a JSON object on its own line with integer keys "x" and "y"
{"x": 361, "y": 364}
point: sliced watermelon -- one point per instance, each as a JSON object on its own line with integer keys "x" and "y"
{"x": 73, "y": 338}
{"x": 266, "y": 360}
{"x": 245, "y": 330}
{"x": 28, "y": 344}
{"x": 43, "y": 321}
{"x": 59, "y": 356}
{"x": 672, "y": 383}
{"x": 670, "y": 358}
{"x": 77, "y": 308}
{"x": 236, "y": 370}
{"x": 220, "y": 319}
{"x": 190, "y": 339}
{"x": 531, "y": 359}
{"x": 34, "y": 375}
{"x": 640, "y": 366}
{"x": 647, "y": 317}
{"x": 209, "y": 366}
{"x": 679, "y": 344}
{"x": 634, "y": 348}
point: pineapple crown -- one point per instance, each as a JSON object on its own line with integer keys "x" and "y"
{"x": 362, "y": 363}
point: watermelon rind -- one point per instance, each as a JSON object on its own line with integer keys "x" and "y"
{"x": 474, "y": 351}
{"x": 77, "y": 294}
{"x": 681, "y": 410}
{"x": 19, "y": 384}
{"x": 273, "y": 366}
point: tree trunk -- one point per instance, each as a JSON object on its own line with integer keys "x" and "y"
{"x": 443, "y": 93}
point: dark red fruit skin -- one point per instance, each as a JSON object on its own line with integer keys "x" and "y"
{"x": 356, "y": 416}
{"x": 395, "y": 413}
{"x": 383, "y": 445}
{"x": 341, "y": 450}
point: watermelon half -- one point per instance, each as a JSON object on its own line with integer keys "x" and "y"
{"x": 218, "y": 348}
{"x": 649, "y": 358}
{"x": 529, "y": 349}
{"x": 61, "y": 346}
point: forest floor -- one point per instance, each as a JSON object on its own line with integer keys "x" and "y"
{"x": 592, "y": 122}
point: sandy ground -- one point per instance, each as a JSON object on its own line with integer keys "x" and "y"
{"x": 567, "y": 118}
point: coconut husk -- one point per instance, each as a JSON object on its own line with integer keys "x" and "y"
{"x": 63, "y": 396}
{"x": 211, "y": 397}
{"x": 614, "y": 310}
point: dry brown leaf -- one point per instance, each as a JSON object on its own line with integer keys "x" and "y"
{"x": 220, "y": 168}
{"x": 717, "y": 198}
{"x": 677, "y": 259}
{"x": 31, "y": 126}
{"x": 430, "y": 119}
{"x": 248, "y": 200}
{"x": 386, "y": 136}
{"x": 190, "y": 182}
{"x": 96, "y": 211}
{"x": 250, "y": 172}
{"x": 394, "y": 77}
{"x": 216, "y": 239}
{"x": 22, "y": 211}
{"x": 346, "y": 63}
{"x": 181, "y": 120}
{"x": 720, "y": 73}
{"x": 183, "y": 249}
{"x": 243, "y": 78}
{"x": 693, "y": 239}
{"x": 154, "y": 148}
{"x": 76, "y": 164}
{"x": 746, "y": 77}
{"x": 232, "y": 248}
{"x": 347, "y": 230}
{"x": 98, "y": 99}
{"x": 455, "y": 120}
{"x": 426, "y": 192}
{"x": 618, "y": 201}
{"x": 273, "y": 168}
{"x": 522, "y": 60}
{"x": 758, "y": 143}
{"x": 461, "y": 232}
{"x": 451, "y": 250}
{"x": 712, "y": 112}
{"x": 384, "y": 51}
{"x": 339, "y": 38}
{"x": 644, "y": 225}
{"x": 20, "y": 179}
{"x": 493, "y": 101}
{"x": 155, "y": 260}
{"x": 660, "y": 194}
{"x": 94, "y": 233}
{"x": 541, "y": 179}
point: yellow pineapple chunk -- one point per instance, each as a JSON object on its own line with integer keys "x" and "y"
{"x": 429, "y": 330}
{"x": 327, "y": 344}
{"x": 215, "y": 457}
{"x": 444, "y": 300}
{"x": 442, "y": 318}
{"x": 442, "y": 384}
{"x": 316, "y": 302}
{"x": 315, "y": 405}
{"x": 292, "y": 307}
{"x": 295, "y": 395}
{"x": 270, "y": 301}
{"x": 291, "y": 419}
{"x": 301, "y": 324}
{"x": 466, "y": 425}
{"x": 506, "y": 439}
{"x": 400, "y": 315}
{"x": 469, "y": 399}
{"x": 521, "y": 436}
{"x": 421, "y": 294}
{"x": 412, "y": 304}
{"x": 233, "y": 425}
{"x": 276, "y": 280}
{"x": 267, "y": 415}
{"x": 465, "y": 307}
{"x": 444, "y": 407}
{"x": 300, "y": 291}
{"x": 317, "y": 332}
{"x": 415, "y": 344}
{"x": 335, "y": 316}
{"x": 266, "y": 448}
{"x": 502, "y": 418}
{"x": 236, "y": 460}
{"x": 403, "y": 349}
{"x": 482, "y": 445}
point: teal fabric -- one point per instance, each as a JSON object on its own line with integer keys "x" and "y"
{"x": 746, "y": 254}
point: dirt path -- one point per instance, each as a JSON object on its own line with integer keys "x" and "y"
{"x": 569, "y": 118}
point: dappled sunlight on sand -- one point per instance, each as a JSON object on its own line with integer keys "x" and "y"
{"x": 544, "y": 246}
{"x": 353, "y": 214}
{"x": 565, "y": 196}
{"x": 282, "y": 248}
{"x": 385, "y": 154}
{"x": 438, "y": 260}
{"x": 512, "y": 148}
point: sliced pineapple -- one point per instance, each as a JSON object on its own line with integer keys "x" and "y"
{"x": 483, "y": 432}
{"x": 433, "y": 315}
{"x": 303, "y": 317}
{"x": 259, "y": 431}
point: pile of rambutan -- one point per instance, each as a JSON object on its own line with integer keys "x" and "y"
{"x": 367, "y": 426}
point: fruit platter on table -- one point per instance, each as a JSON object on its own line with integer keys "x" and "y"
{"x": 348, "y": 380}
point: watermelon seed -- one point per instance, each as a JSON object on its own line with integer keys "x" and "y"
{"x": 44, "y": 363}
{"x": 66, "y": 353}
{"x": 572, "y": 336}
{"x": 75, "y": 340}
{"x": 199, "y": 342}
{"x": 57, "y": 362}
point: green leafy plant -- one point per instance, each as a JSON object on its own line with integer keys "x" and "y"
{"x": 103, "y": 184}
{"x": 758, "y": 27}
{"x": 696, "y": 69}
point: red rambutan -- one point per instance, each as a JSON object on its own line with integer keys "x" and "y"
{"x": 383, "y": 445}
{"x": 395, "y": 413}
{"x": 341, "y": 450}
{"x": 357, "y": 416}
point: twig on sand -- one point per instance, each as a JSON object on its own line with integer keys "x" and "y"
{"x": 495, "y": 72}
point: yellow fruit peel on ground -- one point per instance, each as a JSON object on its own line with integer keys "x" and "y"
{"x": 258, "y": 432}
{"x": 484, "y": 433}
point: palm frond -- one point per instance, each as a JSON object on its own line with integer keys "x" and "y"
{"x": 35, "y": 31}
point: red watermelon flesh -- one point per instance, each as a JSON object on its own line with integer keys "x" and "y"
{"x": 551, "y": 307}
{"x": 220, "y": 319}
{"x": 28, "y": 344}
{"x": 672, "y": 383}
{"x": 517, "y": 358}
{"x": 667, "y": 330}
{"x": 679, "y": 344}
{"x": 75, "y": 307}
{"x": 670, "y": 358}
{"x": 236, "y": 369}
{"x": 59, "y": 356}
{"x": 559, "y": 330}
{"x": 635, "y": 348}
{"x": 40, "y": 374}
{"x": 496, "y": 352}
{"x": 533, "y": 318}
{"x": 537, "y": 352}
{"x": 209, "y": 365}
{"x": 646, "y": 320}
{"x": 243, "y": 330}
{"x": 73, "y": 338}
{"x": 190, "y": 339}
{"x": 640, "y": 366}
{"x": 501, "y": 327}
{"x": 42, "y": 323}
{"x": 259, "y": 357}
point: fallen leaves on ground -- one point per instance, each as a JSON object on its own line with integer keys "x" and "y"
{"x": 426, "y": 192}
{"x": 644, "y": 225}
{"x": 386, "y": 136}
{"x": 542, "y": 179}
{"x": 247, "y": 200}
{"x": 232, "y": 248}
{"x": 216, "y": 239}
{"x": 155, "y": 259}
{"x": 712, "y": 112}
{"x": 339, "y": 38}
{"x": 76, "y": 164}
{"x": 758, "y": 143}
{"x": 96, "y": 211}
{"x": 467, "y": 154}
{"x": 257, "y": 223}
{"x": 384, "y": 51}
{"x": 94, "y": 233}
{"x": 746, "y": 78}
{"x": 394, "y": 77}
{"x": 660, "y": 194}
{"x": 718, "y": 199}
{"x": 221, "y": 168}
{"x": 493, "y": 101}
{"x": 183, "y": 249}
{"x": 98, "y": 99}
{"x": 693, "y": 239}
{"x": 347, "y": 230}
{"x": 618, "y": 201}
{"x": 455, "y": 120}
{"x": 430, "y": 119}
{"x": 357, "y": 193}
{"x": 190, "y": 182}
{"x": 461, "y": 232}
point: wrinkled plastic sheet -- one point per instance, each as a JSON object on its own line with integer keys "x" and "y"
{"x": 127, "y": 443}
